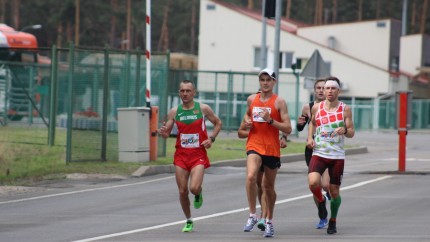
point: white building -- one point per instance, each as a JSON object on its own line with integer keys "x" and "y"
{"x": 371, "y": 58}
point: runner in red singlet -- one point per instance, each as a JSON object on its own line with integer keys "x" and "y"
{"x": 190, "y": 158}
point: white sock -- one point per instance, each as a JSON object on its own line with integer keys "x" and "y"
{"x": 190, "y": 219}
{"x": 253, "y": 215}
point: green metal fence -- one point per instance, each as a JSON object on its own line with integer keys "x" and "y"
{"x": 79, "y": 90}
{"x": 226, "y": 93}
{"x": 96, "y": 83}
{"x": 73, "y": 95}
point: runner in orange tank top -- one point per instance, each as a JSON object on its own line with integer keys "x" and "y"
{"x": 242, "y": 133}
{"x": 263, "y": 138}
{"x": 266, "y": 116}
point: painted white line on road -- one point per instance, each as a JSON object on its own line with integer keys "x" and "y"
{"x": 407, "y": 159}
{"x": 86, "y": 190}
{"x": 221, "y": 214}
{"x": 365, "y": 183}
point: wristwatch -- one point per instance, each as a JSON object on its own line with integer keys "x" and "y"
{"x": 270, "y": 121}
{"x": 212, "y": 139}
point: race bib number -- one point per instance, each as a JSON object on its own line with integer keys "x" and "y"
{"x": 190, "y": 140}
{"x": 328, "y": 135}
{"x": 256, "y": 114}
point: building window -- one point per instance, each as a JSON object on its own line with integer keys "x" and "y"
{"x": 257, "y": 57}
{"x": 381, "y": 24}
{"x": 210, "y": 7}
{"x": 288, "y": 59}
{"x": 298, "y": 64}
{"x": 285, "y": 60}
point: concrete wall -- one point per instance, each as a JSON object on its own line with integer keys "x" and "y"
{"x": 368, "y": 41}
{"x": 410, "y": 53}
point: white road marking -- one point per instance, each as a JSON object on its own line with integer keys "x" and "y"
{"x": 222, "y": 213}
{"x": 86, "y": 190}
{"x": 407, "y": 159}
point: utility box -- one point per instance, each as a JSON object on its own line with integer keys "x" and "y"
{"x": 133, "y": 134}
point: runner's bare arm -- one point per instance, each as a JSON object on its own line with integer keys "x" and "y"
{"x": 167, "y": 125}
{"x": 285, "y": 125}
{"x": 349, "y": 124}
{"x": 213, "y": 118}
{"x": 243, "y": 131}
{"x": 247, "y": 116}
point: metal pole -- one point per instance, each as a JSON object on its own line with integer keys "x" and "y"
{"x": 127, "y": 77}
{"x": 30, "y": 93}
{"x": 297, "y": 98}
{"x": 105, "y": 103}
{"x": 404, "y": 16}
{"x": 277, "y": 38}
{"x": 263, "y": 52}
{"x": 148, "y": 53}
{"x": 53, "y": 97}
{"x": 71, "y": 101}
{"x": 402, "y": 114}
{"x": 137, "y": 84}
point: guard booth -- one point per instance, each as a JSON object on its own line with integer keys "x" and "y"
{"x": 403, "y": 123}
{"x": 134, "y": 134}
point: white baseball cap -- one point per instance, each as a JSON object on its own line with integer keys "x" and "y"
{"x": 269, "y": 72}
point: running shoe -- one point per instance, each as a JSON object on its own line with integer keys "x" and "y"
{"x": 189, "y": 225}
{"x": 327, "y": 195}
{"x": 198, "y": 200}
{"x": 322, "y": 210}
{"x": 262, "y": 224}
{"x": 321, "y": 224}
{"x": 250, "y": 224}
{"x": 331, "y": 227}
{"x": 269, "y": 231}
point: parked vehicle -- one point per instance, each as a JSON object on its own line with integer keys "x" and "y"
{"x": 16, "y": 80}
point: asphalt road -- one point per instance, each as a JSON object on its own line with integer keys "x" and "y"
{"x": 378, "y": 203}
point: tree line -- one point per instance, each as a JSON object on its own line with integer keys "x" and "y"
{"x": 337, "y": 11}
{"x": 175, "y": 23}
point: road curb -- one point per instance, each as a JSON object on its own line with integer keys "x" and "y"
{"x": 153, "y": 170}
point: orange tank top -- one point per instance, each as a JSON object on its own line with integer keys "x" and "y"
{"x": 263, "y": 138}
